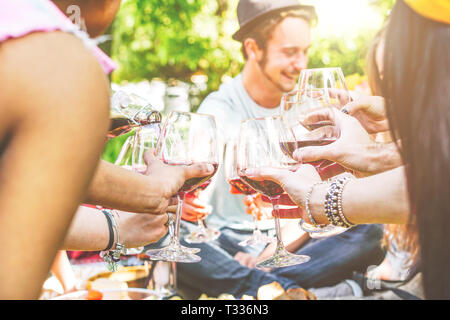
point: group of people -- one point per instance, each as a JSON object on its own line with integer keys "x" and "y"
{"x": 55, "y": 106}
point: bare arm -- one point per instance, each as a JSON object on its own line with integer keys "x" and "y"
{"x": 62, "y": 270}
{"x": 89, "y": 229}
{"x": 54, "y": 117}
{"x": 152, "y": 192}
{"x": 381, "y": 198}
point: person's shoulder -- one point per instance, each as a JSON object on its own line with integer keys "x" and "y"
{"x": 44, "y": 60}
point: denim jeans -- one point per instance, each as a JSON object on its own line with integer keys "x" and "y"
{"x": 332, "y": 260}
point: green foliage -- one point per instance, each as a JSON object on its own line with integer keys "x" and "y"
{"x": 336, "y": 52}
{"x": 113, "y": 147}
{"x": 173, "y": 39}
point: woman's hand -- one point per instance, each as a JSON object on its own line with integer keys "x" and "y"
{"x": 294, "y": 183}
{"x": 354, "y": 149}
{"x": 137, "y": 230}
{"x": 370, "y": 112}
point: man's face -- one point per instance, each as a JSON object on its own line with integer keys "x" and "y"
{"x": 286, "y": 53}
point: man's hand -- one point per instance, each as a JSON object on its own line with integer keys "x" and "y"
{"x": 168, "y": 179}
{"x": 256, "y": 206}
{"x": 194, "y": 208}
{"x": 137, "y": 230}
{"x": 246, "y": 259}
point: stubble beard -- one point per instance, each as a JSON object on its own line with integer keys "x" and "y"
{"x": 262, "y": 65}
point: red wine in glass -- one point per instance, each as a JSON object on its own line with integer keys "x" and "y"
{"x": 239, "y": 185}
{"x": 266, "y": 187}
{"x": 196, "y": 182}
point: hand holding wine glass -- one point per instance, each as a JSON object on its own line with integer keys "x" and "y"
{"x": 354, "y": 149}
{"x": 232, "y": 176}
{"x": 320, "y": 91}
{"x": 259, "y": 147}
{"x": 186, "y": 139}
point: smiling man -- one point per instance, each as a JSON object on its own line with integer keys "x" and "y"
{"x": 275, "y": 37}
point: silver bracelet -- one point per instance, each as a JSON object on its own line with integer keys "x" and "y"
{"x": 112, "y": 257}
{"x": 333, "y": 203}
{"x": 339, "y": 204}
{"x": 308, "y": 211}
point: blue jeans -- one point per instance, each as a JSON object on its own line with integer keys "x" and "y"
{"x": 332, "y": 260}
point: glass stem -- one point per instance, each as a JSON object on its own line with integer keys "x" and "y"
{"x": 255, "y": 223}
{"x": 176, "y": 224}
{"x": 280, "y": 245}
{"x": 201, "y": 225}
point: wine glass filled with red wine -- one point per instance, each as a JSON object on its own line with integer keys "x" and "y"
{"x": 232, "y": 176}
{"x": 259, "y": 147}
{"x": 186, "y": 139}
{"x": 304, "y": 112}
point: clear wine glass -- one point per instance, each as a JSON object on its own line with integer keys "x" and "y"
{"x": 318, "y": 89}
{"x": 232, "y": 176}
{"x": 203, "y": 233}
{"x": 125, "y": 160}
{"x": 128, "y": 111}
{"x": 186, "y": 138}
{"x": 259, "y": 147}
{"x": 146, "y": 139}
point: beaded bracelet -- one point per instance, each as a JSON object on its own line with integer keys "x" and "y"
{"x": 340, "y": 211}
{"x": 333, "y": 204}
{"x": 308, "y": 196}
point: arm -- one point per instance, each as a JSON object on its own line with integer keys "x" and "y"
{"x": 381, "y": 198}
{"x": 152, "y": 192}
{"x": 54, "y": 117}
{"x": 62, "y": 270}
{"x": 89, "y": 230}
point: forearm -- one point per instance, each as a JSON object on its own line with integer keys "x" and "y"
{"x": 381, "y": 198}
{"x": 63, "y": 271}
{"x": 88, "y": 231}
{"x": 122, "y": 189}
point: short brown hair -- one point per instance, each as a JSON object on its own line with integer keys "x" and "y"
{"x": 262, "y": 32}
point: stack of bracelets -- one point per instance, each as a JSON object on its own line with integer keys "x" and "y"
{"x": 333, "y": 203}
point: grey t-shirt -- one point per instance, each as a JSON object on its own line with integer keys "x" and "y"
{"x": 230, "y": 105}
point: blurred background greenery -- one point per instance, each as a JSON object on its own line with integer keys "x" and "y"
{"x": 183, "y": 40}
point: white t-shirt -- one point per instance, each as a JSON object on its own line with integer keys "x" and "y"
{"x": 230, "y": 105}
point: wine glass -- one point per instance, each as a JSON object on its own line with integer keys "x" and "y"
{"x": 146, "y": 139}
{"x": 186, "y": 138}
{"x": 259, "y": 147}
{"x": 232, "y": 176}
{"x": 125, "y": 160}
{"x": 129, "y": 111}
{"x": 203, "y": 233}
{"x": 318, "y": 89}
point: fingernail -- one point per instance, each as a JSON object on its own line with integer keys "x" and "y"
{"x": 209, "y": 167}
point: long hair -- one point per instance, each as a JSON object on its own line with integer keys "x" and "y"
{"x": 416, "y": 85}
{"x": 405, "y": 235}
